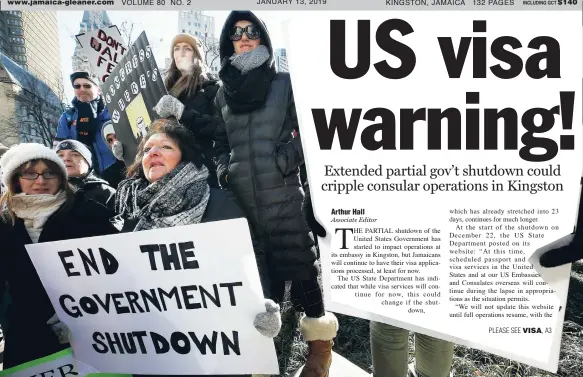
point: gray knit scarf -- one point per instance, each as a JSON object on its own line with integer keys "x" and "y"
{"x": 179, "y": 198}
{"x": 250, "y": 60}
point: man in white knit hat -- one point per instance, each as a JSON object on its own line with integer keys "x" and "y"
{"x": 116, "y": 172}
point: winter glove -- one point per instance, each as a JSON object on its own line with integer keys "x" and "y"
{"x": 565, "y": 254}
{"x": 268, "y": 323}
{"x": 308, "y": 213}
{"x": 117, "y": 149}
{"x": 60, "y": 329}
{"x": 169, "y": 106}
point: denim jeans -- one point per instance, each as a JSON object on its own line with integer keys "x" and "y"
{"x": 390, "y": 353}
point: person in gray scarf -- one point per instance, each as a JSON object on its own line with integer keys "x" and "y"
{"x": 167, "y": 187}
{"x": 259, "y": 157}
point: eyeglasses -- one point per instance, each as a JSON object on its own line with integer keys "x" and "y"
{"x": 252, "y": 32}
{"x": 32, "y": 176}
{"x": 86, "y": 86}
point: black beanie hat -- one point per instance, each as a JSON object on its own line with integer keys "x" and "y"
{"x": 84, "y": 75}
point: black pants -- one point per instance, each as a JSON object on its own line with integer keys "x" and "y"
{"x": 306, "y": 296}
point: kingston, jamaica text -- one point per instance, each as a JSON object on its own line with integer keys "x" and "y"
{"x": 547, "y": 51}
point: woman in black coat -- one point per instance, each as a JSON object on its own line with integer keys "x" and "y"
{"x": 39, "y": 206}
{"x": 192, "y": 92}
{"x": 259, "y": 157}
{"x": 167, "y": 186}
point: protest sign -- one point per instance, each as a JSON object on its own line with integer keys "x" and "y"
{"x": 131, "y": 91}
{"x": 455, "y": 154}
{"x": 104, "y": 48}
{"x": 169, "y": 301}
{"x": 59, "y": 364}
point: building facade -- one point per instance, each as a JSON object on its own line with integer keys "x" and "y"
{"x": 91, "y": 21}
{"x": 31, "y": 39}
{"x": 203, "y": 27}
{"x": 281, "y": 60}
{"x": 29, "y": 109}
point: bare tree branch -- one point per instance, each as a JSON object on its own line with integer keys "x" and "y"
{"x": 37, "y": 111}
{"x": 210, "y": 47}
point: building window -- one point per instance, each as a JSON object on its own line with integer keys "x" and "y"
{"x": 18, "y": 49}
{"x": 17, "y": 40}
{"x": 15, "y": 13}
{"x": 20, "y": 58}
{"x": 14, "y": 22}
{"x": 15, "y": 31}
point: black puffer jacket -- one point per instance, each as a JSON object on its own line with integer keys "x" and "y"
{"x": 257, "y": 152}
{"x": 28, "y": 337}
{"x": 200, "y": 117}
{"x": 96, "y": 189}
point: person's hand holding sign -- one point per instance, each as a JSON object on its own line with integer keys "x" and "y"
{"x": 60, "y": 329}
{"x": 169, "y": 106}
{"x": 268, "y": 323}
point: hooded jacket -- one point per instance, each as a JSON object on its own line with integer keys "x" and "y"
{"x": 96, "y": 189}
{"x": 261, "y": 159}
{"x": 67, "y": 129}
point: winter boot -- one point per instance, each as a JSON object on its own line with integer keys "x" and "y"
{"x": 319, "y": 333}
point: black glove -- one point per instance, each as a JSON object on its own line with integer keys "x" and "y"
{"x": 308, "y": 213}
{"x": 565, "y": 254}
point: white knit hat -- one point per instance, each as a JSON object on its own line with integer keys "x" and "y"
{"x": 107, "y": 129}
{"x": 20, "y": 154}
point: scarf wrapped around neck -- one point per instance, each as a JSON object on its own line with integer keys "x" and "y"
{"x": 35, "y": 210}
{"x": 246, "y": 79}
{"x": 178, "y": 198}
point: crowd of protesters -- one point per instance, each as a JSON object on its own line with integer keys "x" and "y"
{"x": 223, "y": 147}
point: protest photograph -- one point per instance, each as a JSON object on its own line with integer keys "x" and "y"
{"x": 303, "y": 189}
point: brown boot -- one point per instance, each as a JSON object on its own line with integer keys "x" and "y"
{"x": 319, "y": 332}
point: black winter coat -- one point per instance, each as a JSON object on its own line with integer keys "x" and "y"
{"x": 200, "y": 117}
{"x": 96, "y": 189}
{"x": 115, "y": 173}
{"x": 28, "y": 337}
{"x": 261, "y": 158}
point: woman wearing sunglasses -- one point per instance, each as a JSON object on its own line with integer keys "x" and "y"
{"x": 259, "y": 157}
{"x": 192, "y": 92}
{"x": 39, "y": 206}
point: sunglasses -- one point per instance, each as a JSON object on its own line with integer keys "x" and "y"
{"x": 86, "y": 86}
{"x": 32, "y": 176}
{"x": 252, "y": 32}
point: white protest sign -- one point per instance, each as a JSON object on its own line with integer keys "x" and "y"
{"x": 169, "y": 301}
{"x": 460, "y": 155}
{"x": 104, "y": 49}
